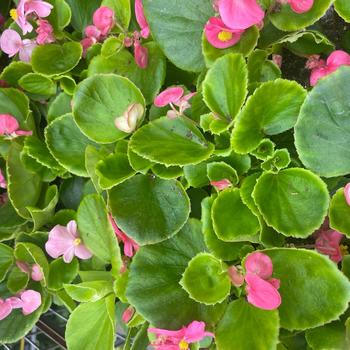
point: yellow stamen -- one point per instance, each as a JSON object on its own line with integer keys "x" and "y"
{"x": 77, "y": 241}
{"x": 344, "y": 250}
{"x": 14, "y": 14}
{"x": 225, "y": 36}
{"x": 183, "y": 345}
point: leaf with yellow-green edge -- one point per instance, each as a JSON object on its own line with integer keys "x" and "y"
{"x": 89, "y": 291}
{"x": 220, "y": 170}
{"x": 164, "y": 172}
{"x": 343, "y": 9}
{"x": 272, "y": 109}
{"x": 6, "y": 260}
{"x": 38, "y": 85}
{"x": 15, "y": 71}
{"x": 122, "y": 10}
{"x": 61, "y": 273}
{"x": 60, "y": 15}
{"x": 17, "y": 280}
{"x": 339, "y": 213}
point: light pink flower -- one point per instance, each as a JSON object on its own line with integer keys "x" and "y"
{"x": 65, "y": 241}
{"x": 219, "y": 35}
{"x": 33, "y": 271}
{"x": 31, "y": 301}
{"x": 128, "y": 314}
{"x": 45, "y": 32}
{"x": 240, "y": 14}
{"x": 104, "y": 19}
{"x": 141, "y": 19}
{"x": 328, "y": 243}
{"x": 170, "y": 95}
{"x": 222, "y": 184}
{"x": 130, "y": 246}
{"x": 3, "y": 183}
{"x": 92, "y": 32}
{"x": 236, "y": 276}
{"x": 347, "y": 193}
{"x": 130, "y": 118}
{"x": 299, "y": 6}
{"x": 11, "y": 43}
{"x": 141, "y": 54}
{"x": 261, "y": 288}
{"x": 9, "y": 127}
{"x": 169, "y": 340}
{"x": 86, "y": 43}
{"x": 5, "y": 308}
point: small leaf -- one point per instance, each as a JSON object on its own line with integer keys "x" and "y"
{"x": 339, "y": 213}
{"x": 122, "y": 10}
{"x": 15, "y": 71}
{"x": 220, "y": 170}
{"x": 279, "y": 160}
{"x": 38, "y": 84}
{"x": 89, "y": 291}
{"x": 17, "y": 280}
{"x": 6, "y": 260}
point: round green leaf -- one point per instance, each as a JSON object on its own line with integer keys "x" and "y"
{"x": 272, "y": 109}
{"x": 37, "y": 84}
{"x": 16, "y": 103}
{"x": 321, "y": 136}
{"x": 53, "y": 59}
{"x": 247, "y": 327}
{"x": 343, "y": 9}
{"x": 171, "y": 142}
{"x": 220, "y": 170}
{"x": 206, "y": 279}
{"x": 339, "y": 213}
{"x": 313, "y": 290}
{"x": 82, "y": 12}
{"x": 60, "y": 15}
{"x": 153, "y": 287}
{"x": 67, "y": 144}
{"x": 15, "y": 71}
{"x": 288, "y": 20}
{"x": 177, "y": 26}
{"x": 232, "y": 219}
{"x": 61, "y": 273}
{"x": 294, "y": 201}
{"x": 99, "y": 100}
{"x": 148, "y": 209}
{"x": 6, "y": 260}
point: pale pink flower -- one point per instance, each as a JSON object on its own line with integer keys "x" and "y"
{"x": 65, "y": 241}
{"x": 130, "y": 118}
{"x": 9, "y": 127}
{"x": 219, "y": 35}
{"x": 128, "y": 314}
{"x": 130, "y": 246}
{"x": 240, "y": 14}
{"x": 299, "y": 6}
{"x": 222, "y": 184}
{"x": 5, "y": 308}
{"x": 236, "y": 276}
{"x": 3, "y": 183}
{"x": 141, "y": 19}
{"x": 141, "y": 54}
{"x": 347, "y": 193}
{"x": 104, "y": 19}
{"x": 175, "y": 340}
{"x": 31, "y": 301}
{"x": 45, "y": 32}
{"x": 34, "y": 271}
{"x": 328, "y": 243}
{"x": 11, "y": 43}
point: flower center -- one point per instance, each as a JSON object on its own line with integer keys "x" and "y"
{"x": 14, "y": 14}
{"x": 183, "y": 345}
{"x": 225, "y": 36}
{"x": 77, "y": 241}
{"x": 344, "y": 250}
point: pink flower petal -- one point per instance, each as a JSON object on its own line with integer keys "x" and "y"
{"x": 141, "y": 55}
{"x": 3, "y": 183}
{"x": 236, "y": 276}
{"x": 221, "y": 185}
{"x": 128, "y": 314}
{"x": 347, "y": 193}
{"x": 60, "y": 241}
{"x": 69, "y": 255}
{"x": 45, "y": 33}
{"x": 92, "y": 32}
{"x": 259, "y": 264}
{"x": 301, "y": 6}
{"x": 240, "y": 14}
{"x": 24, "y": 132}
{"x": 328, "y": 243}
{"x": 8, "y": 124}
{"x": 31, "y": 301}
{"x": 337, "y": 59}
{"x": 25, "y": 53}
{"x": 86, "y": 44}
{"x": 275, "y": 282}
{"x": 40, "y": 8}
{"x": 261, "y": 293}
{"x": 72, "y": 228}
{"x": 82, "y": 252}
{"x": 23, "y": 266}
{"x": 10, "y": 42}
{"x": 317, "y": 74}
{"x": 170, "y": 95}
{"x": 5, "y": 308}
{"x": 16, "y": 303}
{"x": 195, "y": 332}
{"x": 104, "y": 19}
{"x": 37, "y": 274}
{"x": 141, "y": 19}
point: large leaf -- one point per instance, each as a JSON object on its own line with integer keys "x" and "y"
{"x": 99, "y": 100}
{"x": 98, "y": 331}
{"x": 153, "y": 286}
{"x": 177, "y": 25}
{"x": 272, "y": 109}
{"x": 294, "y": 201}
{"x": 82, "y": 12}
{"x": 149, "y": 209}
{"x": 322, "y": 133}
{"x": 247, "y": 327}
{"x": 171, "y": 142}
{"x": 6, "y": 259}
{"x": 313, "y": 290}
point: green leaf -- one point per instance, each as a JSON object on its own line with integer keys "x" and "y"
{"x": 164, "y": 172}
{"x": 196, "y": 175}
{"x": 96, "y": 230}
{"x": 177, "y": 26}
{"x": 61, "y": 273}
{"x": 245, "y": 45}
{"x": 16, "y": 103}
{"x": 171, "y": 142}
{"x": 82, "y": 12}
{"x": 122, "y": 10}
{"x": 279, "y": 160}
{"x": 322, "y": 143}
{"x": 53, "y": 59}
{"x": 138, "y": 163}
{"x": 15, "y": 71}
{"x": 247, "y": 327}
{"x": 343, "y": 9}
{"x": 225, "y": 86}
{"x": 288, "y": 20}
{"x": 24, "y": 187}
{"x": 272, "y": 109}
{"x": 59, "y": 106}
{"x": 264, "y": 150}
{"x": 17, "y": 280}
{"x": 99, "y": 100}
{"x": 287, "y": 201}
{"x": 220, "y": 170}
{"x": 153, "y": 287}
{"x": 98, "y": 332}
{"x": 9, "y": 219}
{"x": 67, "y": 144}
{"x": 60, "y": 15}
{"x": 232, "y": 219}
{"x": 308, "y": 279}
{"x": 38, "y": 84}
{"x": 92, "y": 157}
{"x": 6, "y": 260}
{"x": 89, "y": 291}
{"x": 339, "y": 213}
{"x": 206, "y": 279}
{"x": 113, "y": 170}
{"x": 149, "y": 210}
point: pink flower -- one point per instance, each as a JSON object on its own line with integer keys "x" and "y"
{"x": 347, "y": 193}
{"x": 104, "y": 19}
{"x": 236, "y": 276}
{"x": 45, "y": 32}
{"x": 328, "y": 243}
{"x": 9, "y": 127}
{"x": 31, "y": 300}
{"x": 174, "y": 340}
{"x": 219, "y": 35}
{"x": 130, "y": 246}
{"x": 141, "y": 19}
{"x": 277, "y": 60}
{"x": 130, "y": 118}
{"x": 5, "y": 308}
{"x": 221, "y": 185}
{"x": 93, "y": 32}
{"x": 261, "y": 288}
{"x": 65, "y": 241}
{"x": 299, "y": 6}
{"x": 128, "y": 314}
{"x": 33, "y": 271}
{"x": 11, "y": 43}
{"x": 141, "y": 55}
{"x": 86, "y": 44}
{"x": 3, "y": 183}
{"x": 240, "y": 14}
{"x": 320, "y": 68}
